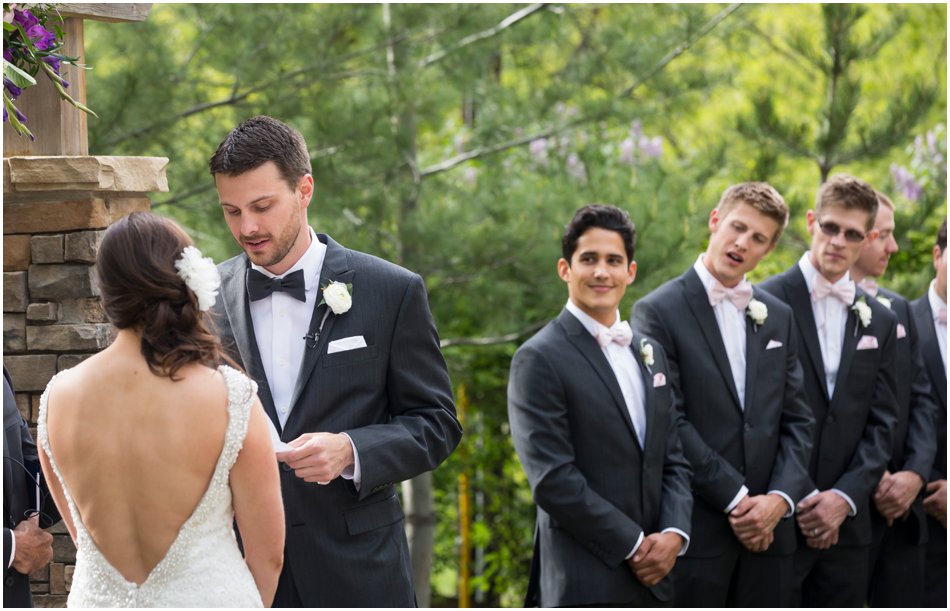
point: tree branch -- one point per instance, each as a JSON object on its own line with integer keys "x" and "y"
{"x": 492, "y": 341}
{"x": 503, "y": 25}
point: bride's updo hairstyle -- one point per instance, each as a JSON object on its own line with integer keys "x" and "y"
{"x": 141, "y": 289}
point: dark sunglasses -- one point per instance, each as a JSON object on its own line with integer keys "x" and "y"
{"x": 832, "y": 229}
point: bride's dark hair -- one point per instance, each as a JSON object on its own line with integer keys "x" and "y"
{"x": 141, "y": 289}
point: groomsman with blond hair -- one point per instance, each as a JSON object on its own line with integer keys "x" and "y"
{"x": 898, "y": 523}
{"x": 746, "y": 430}
{"x": 848, "y": 354}
{"x": 930, "y": 313}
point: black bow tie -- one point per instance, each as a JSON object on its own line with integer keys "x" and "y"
{"x": 260, "y": 285}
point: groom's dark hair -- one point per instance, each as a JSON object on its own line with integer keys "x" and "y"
{"x": 259, "y": 140}
{"x": 601, "y": 216}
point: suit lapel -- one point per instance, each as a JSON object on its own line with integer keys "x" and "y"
{"x": 585, "y": 343}
{"x": 753, "y": 352}
{"x": 698, "y": 301}
{"x": 334, "y": 270}
{"x": 930, "y": 347}
{"x": 238, "y": 309}
{"x": 800, "y": 300}
{"x": 850, "y": 342}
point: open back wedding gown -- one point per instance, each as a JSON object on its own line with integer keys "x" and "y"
{"x": 203, "y": 567}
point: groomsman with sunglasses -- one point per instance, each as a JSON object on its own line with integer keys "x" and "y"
{"x": 848, "y": 355}
{"x": 898, "y": 524}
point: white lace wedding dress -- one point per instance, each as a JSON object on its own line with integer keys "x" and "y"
{"x": 203, "y": 567}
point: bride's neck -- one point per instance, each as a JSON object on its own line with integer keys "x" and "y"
{"x": 127, "y": 340}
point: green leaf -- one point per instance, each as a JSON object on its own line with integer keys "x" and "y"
{"x": 20, "y": 78}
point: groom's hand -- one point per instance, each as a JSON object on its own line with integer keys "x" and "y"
{"x": 318, "y": 457}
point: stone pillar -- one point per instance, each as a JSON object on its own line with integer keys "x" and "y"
{"x": 55, "y": 210}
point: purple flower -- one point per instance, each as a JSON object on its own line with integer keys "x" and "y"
{"x": 575, "y": 168}
{"x": 12, "y": 89}
{"x": 652, "y": 147}
{"x": 53, "y": 61}
{"x": 636, "y": 129}
{"x": 8, "y": 55}
{"x": 906, "y": 183}
{"x": 539, "y": 150}
{"x": 627, "y": 149}
{"x": 470, "y": 175}
{"x": 41, "y": 37}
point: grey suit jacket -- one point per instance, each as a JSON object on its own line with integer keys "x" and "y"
{"x": 855, "y": 428}
{"x": 345, "y": 547}
{"x": 915, "y": 438}
{"x": 596, "y": 490}
{"x": 933, "y": 365}
{"x": 765, "y": 446}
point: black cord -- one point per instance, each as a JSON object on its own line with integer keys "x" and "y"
{"x": 29, "y": 513}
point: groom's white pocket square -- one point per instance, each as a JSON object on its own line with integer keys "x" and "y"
{"x": 867, "y": 342}
{"x": 901, "y": 331}
{"x": 346, "y": 343}
{"x": 659, "y": 379}
{"x": 773, "y": 343}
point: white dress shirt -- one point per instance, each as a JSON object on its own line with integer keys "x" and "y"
{"x": 936, "y": 304}
{"x": 624, "y": 366}
{"x": 831, "y": 317}
{"x": 280, "y": 323}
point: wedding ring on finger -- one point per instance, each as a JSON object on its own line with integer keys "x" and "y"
{"x": 814, "y": 532}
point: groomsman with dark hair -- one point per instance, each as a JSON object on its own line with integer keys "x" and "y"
{"x": 745, "y": 427}
{"x": 898, "y": 523}
{"x": 848, "y": 354}
{"x": 930, "y": 315}
{"x": 589, "y": 403}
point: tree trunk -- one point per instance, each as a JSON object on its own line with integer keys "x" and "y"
{"x": 420, "y": 530}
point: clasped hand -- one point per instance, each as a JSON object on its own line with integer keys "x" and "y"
{"x": 820, "y": 517}
{"x": 318, "y": 457}
{"x": 935, "y": 503}
{"x": 754, "y": 519}
{"x": 895, "y": 493}
{"x": 655, "y": 557}
{"x": 34, "y": 546}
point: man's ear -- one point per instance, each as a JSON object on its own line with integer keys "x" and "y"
{"x": 631, "y": 273}
{"x": 564, "y": 269}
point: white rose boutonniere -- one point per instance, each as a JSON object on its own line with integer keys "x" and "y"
{"x": 200, "y": 275}
{"x": 758, "y": 312}
{"x": 337, "y": 297}
{"x": 863, "y": 311}
{"x": 884, "y": 301}
{"x": 646, "y": 352}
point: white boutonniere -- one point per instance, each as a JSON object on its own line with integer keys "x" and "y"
{"x": 337, "y": 297}
{"x": 863, "y": 311}
{"x": 200, "y": 275}
{"x": 884, "y": 301}
{"x": 758, "y": 312}
{"x": 646, "y": 352}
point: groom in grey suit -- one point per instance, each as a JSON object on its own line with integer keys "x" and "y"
{"x": 346, "y": 356}
{"x": 591, "y": 419}
{"x": 746, "y": 428}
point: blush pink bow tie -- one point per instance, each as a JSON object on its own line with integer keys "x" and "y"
{"x": 843, "y": 291}
{"x": 740, "y": 295}
{"x": 942, "y": 316}
{"x": 620, "y": 333}
{"x": 869, "y": 286}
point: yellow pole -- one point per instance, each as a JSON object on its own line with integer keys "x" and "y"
{"x": 465, "y": 523}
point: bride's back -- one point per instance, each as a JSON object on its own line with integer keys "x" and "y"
{"x": 136, "y": 450}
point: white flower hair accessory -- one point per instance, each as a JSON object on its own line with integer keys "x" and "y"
{"x": 337, "y": 297}
{"x": 758, "y": 312}
{"x": 200, "y": 275}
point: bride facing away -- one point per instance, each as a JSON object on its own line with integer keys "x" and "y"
{"x": 152, "y": 452}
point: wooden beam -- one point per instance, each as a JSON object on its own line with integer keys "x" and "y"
{"x": 107, "y": 12}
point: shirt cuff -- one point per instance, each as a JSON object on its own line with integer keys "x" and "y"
{"x": 12, "y": 548}
{"x": 808, "y": 496}
{"x": 635, "y": 547}
{"x": 854, "y": 509}
{"x": 682, "y": 534}
{"x": 354, "y": 472}
{"x": 739, "y": 496}
{"x": 788, "y": 499}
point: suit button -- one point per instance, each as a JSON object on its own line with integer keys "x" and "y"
{"x": 285, "y": 466}
{"x": 9, "y": 581}
{"x": 748, "y": 427}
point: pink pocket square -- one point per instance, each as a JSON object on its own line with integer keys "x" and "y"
{"x": 773, "y": 343}
{"x": 867, "y": 342}
{"x": 659, "y": 379}
{"x": 901, "y": 331}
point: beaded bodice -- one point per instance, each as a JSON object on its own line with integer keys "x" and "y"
{"x": 203, "y": 567}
